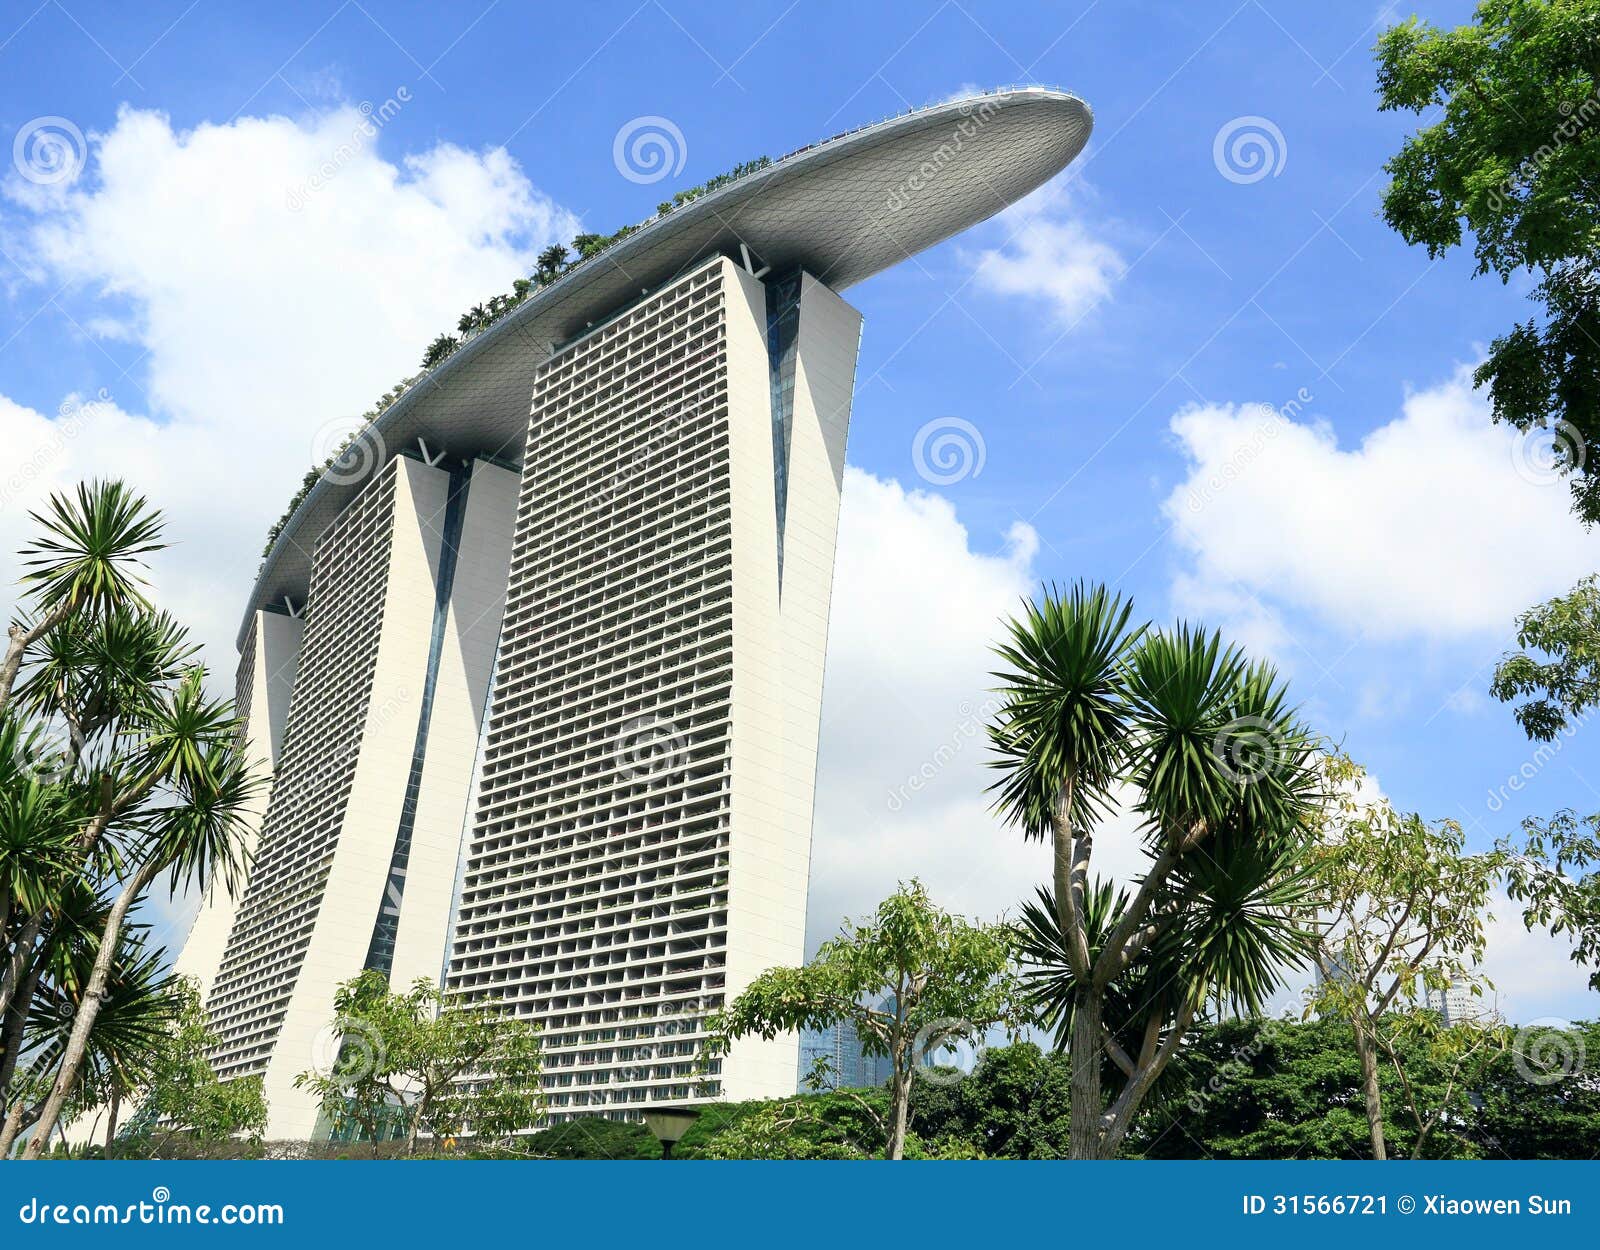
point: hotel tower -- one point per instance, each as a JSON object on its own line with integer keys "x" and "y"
{"x": 536, "y": 666}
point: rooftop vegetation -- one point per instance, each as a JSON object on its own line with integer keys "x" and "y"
{"x": 554, "y": 262}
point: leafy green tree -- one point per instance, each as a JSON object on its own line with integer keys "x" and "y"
{"x": 1258, "y": 1087}
{"x": 1219, "y": 769}
{"x": 1554, "y": 872}
{"x": 1540, "y": 1099}
{"x": 181, "y": 1103}
{"x": 426, "y": 1062}
{"x": 594, "y": 1138}
{"x": 1016, "y": 1104}
{"x": 1566, "y": 685}
{"x": 1402, "y": 910}
{"x": 1514, "y": 160}
{"x": 913, "y": 980}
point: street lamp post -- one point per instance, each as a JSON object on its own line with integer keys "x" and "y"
{"x": 669, "y": 1124}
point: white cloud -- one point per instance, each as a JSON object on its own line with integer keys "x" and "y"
{"x": 1439, "y": 524}
{"x": 1050, "y": 254}
{"x": 1533, "y": 973}
{"x": 901, "y": 779}
{"x": 279, "y": 274}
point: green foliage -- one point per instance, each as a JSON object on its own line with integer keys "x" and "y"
{"x": 1555, "y": 874}
{"x": 1540, "y": 1099}
{"x": 1403, "y": 910}
{"x": 1262, "y": 1088}
{"x": 839, "y": 1125}
{"x": 426, "y": 1062}
{"x": 146, "y": 783}
{"x": 183, "y": 1107}
{"x": 1015, "y": 1105}
{"x": 594, "y": 1138}
{"x": 912, "y": 980}
{"x": 1514, "y": 160}
{"x": 1567, "y": 685}
{"x": 1219, "y": 766}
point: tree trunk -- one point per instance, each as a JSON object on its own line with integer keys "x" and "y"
{"x": 17, "y": 964}
{"x": 20, "y": 639}
{"x": 15, "y": 1020}
{"x": 111, "y": 1121}
{"x": 899, "y": 1108}
{"x": 17, "y": 1119}
{"x": 1083, "y": 1054}
{"x": 1370, "y": 1091}
{"x": 89, "y": 1009}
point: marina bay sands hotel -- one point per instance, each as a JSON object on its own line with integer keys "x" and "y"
{"x": 536, "y": 667}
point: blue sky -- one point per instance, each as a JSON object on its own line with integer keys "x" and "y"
{"x": 1109, "y": 342}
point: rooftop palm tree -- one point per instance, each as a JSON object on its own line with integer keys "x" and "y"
{"x": 1100, "y": 714}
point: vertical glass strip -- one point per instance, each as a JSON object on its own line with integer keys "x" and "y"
{"x": 380, "y": 954}
{"x": 783, "y": 336}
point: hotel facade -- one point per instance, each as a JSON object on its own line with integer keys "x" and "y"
{"x": 537, "y": 667}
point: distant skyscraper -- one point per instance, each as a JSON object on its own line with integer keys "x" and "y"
{"x": 615, "y": 509}
{"x": 1459, "y": 1005}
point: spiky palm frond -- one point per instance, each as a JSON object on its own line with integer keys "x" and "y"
{"x": 91, "y": 545}
{"x": 1064, "y": 709}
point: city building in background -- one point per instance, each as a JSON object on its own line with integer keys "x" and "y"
{"x": 537, "y": 663}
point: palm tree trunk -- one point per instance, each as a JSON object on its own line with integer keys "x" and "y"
{"x": 21, "y": 639}
{"x": 15, "y": 1020}
{"x": 1083, "y": 1054}
{"x": 111, "y": 1120}
{"x": 89, "y": 1009}
{"x": 1370, "y": 1092}
{"x": 17, "y": 965}
{"x": 17, "y": 1119}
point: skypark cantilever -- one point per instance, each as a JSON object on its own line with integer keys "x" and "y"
{"x": 547, "y": 725}
{"x": 843, "y": 210}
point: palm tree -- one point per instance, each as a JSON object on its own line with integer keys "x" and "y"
{"x": 191, "y": 745}
{"x": 91, "y": 674}
{"x": 85, "y": 559}
{"x": 1201, "y": 745}
{"x": 142, "y": 1000}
